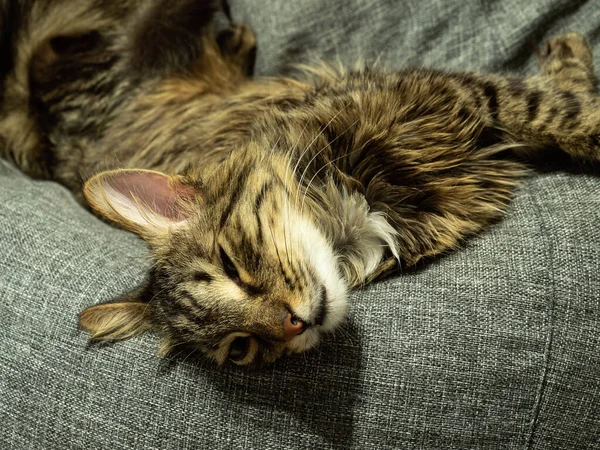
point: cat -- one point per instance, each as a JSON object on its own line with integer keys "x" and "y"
{"x": 265, "y": 201}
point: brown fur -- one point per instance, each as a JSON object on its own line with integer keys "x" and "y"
{"x": 412, "y": 161}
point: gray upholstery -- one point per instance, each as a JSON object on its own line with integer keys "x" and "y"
{"x": 494, "y": 346}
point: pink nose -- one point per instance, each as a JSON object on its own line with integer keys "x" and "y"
{"x": 292, "y": 327}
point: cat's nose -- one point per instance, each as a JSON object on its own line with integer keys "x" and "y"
{"x": 292, "y": 326}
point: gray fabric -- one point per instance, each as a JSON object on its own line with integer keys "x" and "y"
{"x": 494, "y": 346}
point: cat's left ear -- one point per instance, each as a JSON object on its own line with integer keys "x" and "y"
{"x": 146, "y": 202}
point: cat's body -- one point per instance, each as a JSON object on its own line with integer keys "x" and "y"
{"x": 282, "y": 194}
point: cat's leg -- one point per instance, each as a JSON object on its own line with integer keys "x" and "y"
{"x": 558, "y": 108}
{"x": 537, "y": 112}
{"x": 567, "y": 62}
{"x": 170, "y": 36}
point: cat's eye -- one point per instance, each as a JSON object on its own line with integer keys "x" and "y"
{"x": 239, "y": 348}
{"x": 228, "y": 265}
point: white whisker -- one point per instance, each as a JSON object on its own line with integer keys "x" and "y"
{"x": 310, "y": 145}
{"x": 315, "y": 156}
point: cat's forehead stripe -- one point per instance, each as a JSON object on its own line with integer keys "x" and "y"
{"x": 238, "y": 191}
{"x": 262, "y": 194}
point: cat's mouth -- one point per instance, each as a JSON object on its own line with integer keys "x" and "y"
{"x": 321, "y": 309}
{"x": 320, "y": 317}
{"x": 327, "y": 315}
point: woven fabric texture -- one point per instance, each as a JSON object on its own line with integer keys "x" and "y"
{"x": 495, "y": 346}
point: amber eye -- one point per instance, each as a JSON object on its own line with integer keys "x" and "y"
{"x": 228, "y": 265}
{"x": 239, "y": 348}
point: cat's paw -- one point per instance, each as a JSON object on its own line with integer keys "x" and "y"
{"x": 238, "y": 45}
{"x": 567, "y": 60}
{"x": 567, "y": 46}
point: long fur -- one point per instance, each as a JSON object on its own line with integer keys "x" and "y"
{"x": 300, "y": 188}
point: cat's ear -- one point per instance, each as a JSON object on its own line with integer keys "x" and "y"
{"x": 147, "y": 202}
{"x": 115, "y": 321}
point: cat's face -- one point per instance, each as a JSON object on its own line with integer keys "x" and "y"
{"x": 241, "y": 271}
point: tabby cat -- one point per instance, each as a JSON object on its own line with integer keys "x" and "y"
{"x": 263, "y": 202}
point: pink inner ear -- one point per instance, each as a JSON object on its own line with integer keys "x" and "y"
{"x": 154, "y": 190}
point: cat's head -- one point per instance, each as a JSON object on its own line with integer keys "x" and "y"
{"x": 240, "y": 271}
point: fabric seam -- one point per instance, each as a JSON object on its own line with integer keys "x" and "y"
{"x": 550, "y": 337}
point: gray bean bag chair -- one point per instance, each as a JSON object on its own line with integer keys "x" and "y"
{"x": 496, "y": 346}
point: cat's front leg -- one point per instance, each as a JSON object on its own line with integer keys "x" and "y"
{"x": 567, "y": 62}
{"x": 559, "y": 107}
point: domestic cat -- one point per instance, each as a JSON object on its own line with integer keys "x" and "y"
{"x": 264, "y": 201}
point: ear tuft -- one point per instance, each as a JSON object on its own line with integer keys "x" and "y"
{"x": 166, "y": 345}
{"x": 143, "y": 201}
{"x": 115, "y": 321}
